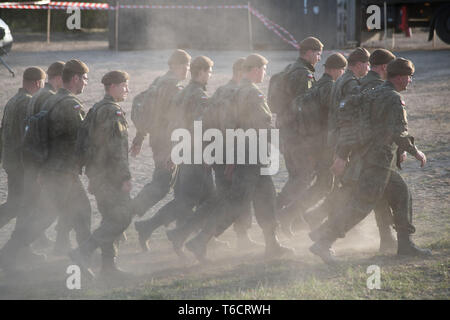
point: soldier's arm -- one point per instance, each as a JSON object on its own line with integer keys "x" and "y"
{"x": 398, "y": 124}
{"x": 68, "y": 119}
{"x": 115, "y": 134}
{"x": 200, "y": 105}
{"x": 259, "y": 113}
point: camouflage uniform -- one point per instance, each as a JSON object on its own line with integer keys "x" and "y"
{"x": 107, "y": 169}
{"x": 11, "y": 154}
{"x": 159, "y": 129}
{"x": 300, "y": 80}
{"x": 61, "y": 189}
{"x": 194, "y": 182}
{"x": 247, "y": 181}
{"x": 377, "y": 177}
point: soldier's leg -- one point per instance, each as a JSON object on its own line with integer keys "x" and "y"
{"x": 400, "y": 199}
{"x": 284, "y": 197}
{"x": 363, "y": 198}
{"x": 384, "y": 219}
{"x": 264, "y": 202}
{"x": 152, "y": 192}
{"x": 13, "y": 205}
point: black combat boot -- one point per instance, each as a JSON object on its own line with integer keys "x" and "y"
{"x": 198, "y": 246}
{"x": 145, "y": 230}
{"x": 322, "y": 248}
{"x": 407, "y": 248}
{"x": 81, "y": 256}
{"x": 274, "y": 250}
{"x": 110, "y": 271}
{"x": 177, "y": 239}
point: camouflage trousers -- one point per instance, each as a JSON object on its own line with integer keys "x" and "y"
{"x": 153, "y": 191}
{"x": 61, "y": 194}
{"x": 374, "y": 184}
{"x": 13, "y": 205}
{"x": 114, "y": 206}
{"x": 194, "y": 185}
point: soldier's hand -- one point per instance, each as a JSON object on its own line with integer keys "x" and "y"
{"x": 126, "y": 186}
{"x": 403, "y": 156}
{"x": 422, "y": 158}
{"x": 169, "y": 164}
{"x": 229, "y": 168}
{"x": 338, "y": 166}
{"x": 135, "y": 149}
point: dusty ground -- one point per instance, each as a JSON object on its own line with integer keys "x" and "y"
{"x": 245, "y": 275}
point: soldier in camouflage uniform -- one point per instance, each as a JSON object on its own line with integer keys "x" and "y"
{"x": 167, "y": 86}
{"x": 377, "y": 177}
{"x": 300, "y": 80}
{"x": 11, "y": 135}
{"x": 252, "y": 112}
{"x": 194, "y": 182}
{"x": 108, "y": 172}
{"x": 32, "y": 188}
{"x": 219, "y": 115}
{"x": 62, "y": 192}
{"x": 383, "y": 215}
{"x": 315, "y": 143}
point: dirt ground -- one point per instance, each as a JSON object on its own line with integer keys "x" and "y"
{"x": 160, "y": 275}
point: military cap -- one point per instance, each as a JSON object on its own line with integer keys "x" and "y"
{"x": 33, "y": 74}
{"x": 400, "y": 67}
{"x": 76, "y": 66}
{"x": 179, "y": 57}
{"x": 55, "y": 69}
{"x": 310, "y": 43}
{"x": 115, "y": 77}
{"x": 381, "y": 56}
{"x": 238, "y": 65}
{"x": 358, "y": 55}
{"x": 254, "y": 61}
{"x": 336, "y": 61}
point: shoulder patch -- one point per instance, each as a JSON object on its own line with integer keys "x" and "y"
{"x": 77, "y": 107}
{"x": 119, "y": 113}
{"x": 260, "y": 95}
{"x": 310, "y": 76}
{"x": 204, "y": 97}
{"x": 403, "y": 102}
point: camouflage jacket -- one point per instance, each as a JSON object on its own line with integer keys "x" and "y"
{"x": 345, "y": 86}
{"x": 221, "y": 115}
{"x": 190, "y": 105}
{"x": 64, "y": 120}
{"x": 389, "y": 124}
{"x": 325, "y": 86}
{"x": 39, "y": 98}
{"x": 252, "y": 111}
{"x": 161, "y": 115}
{"x": 300, "y": 79}
{"x": 12, "y": 129}
{"x": 370, "y": 81}
{"x": 109, "y": 140}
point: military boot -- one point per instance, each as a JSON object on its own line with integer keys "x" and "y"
{"x": 110, "y": 271}
{"x": 177, "y": 239}
{"x": 82, "y": 260}
{"x": 387, "y": 241}
{"x": 322, "y": 248}
{"x": 407, "y": 248}
{"x": 198, "y": 246}
{"x": 274, "y": 250}
{"x": 145, "y": 230}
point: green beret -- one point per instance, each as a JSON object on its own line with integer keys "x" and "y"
{"x": 358, "y": 55}
{"x": 76, "y": 66}
{"x": 179, "y": 57}
{"x": 381, "y": 56}
{"x": 336, "y": 61}
{"x": 254, "y": 61}
{"x": 310, "y": 43}
{"x": 55, "y": 69}
{"x": 400, "y": 67}
{"x": 33, "y": 74}
{"x": 115, "y": 77}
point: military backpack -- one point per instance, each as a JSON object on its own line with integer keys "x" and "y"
{"x": 141, "y": 107}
